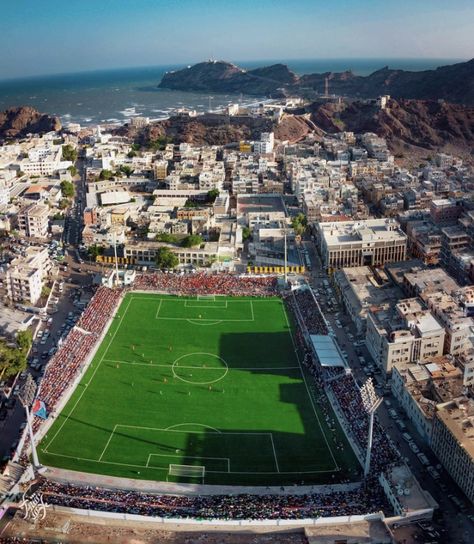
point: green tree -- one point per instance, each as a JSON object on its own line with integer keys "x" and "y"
{"x": 69, "y": 153}
{"x": 13, "y": 358}
{"x": 192, "y": 240}
{"x": 73, "y": 170}
{"x": 299, "y": 224}
{"x": 131, "y": 154}
{"x": 166, "y": 237}
{"x": 246, "y": 233}
{"x": 45, "y": 291}
{"x": 166, "y": 259}
{"x": 63, "y": 203}
{"x": 105, "y": 174}
{"x": 67, "y": 189}
{"x": 94, "y": 251}
{"x": 24, "y": 339}
{"x": 160, "y": 143}
{"x": 127, "y": 170}
{"x": 212, "y": 195}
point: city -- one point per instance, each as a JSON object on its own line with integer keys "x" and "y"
{"x": 237, "y": 294}
{"x": 379, "y": 263}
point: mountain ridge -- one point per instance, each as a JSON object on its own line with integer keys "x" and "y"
{"x": 454, "y": 82}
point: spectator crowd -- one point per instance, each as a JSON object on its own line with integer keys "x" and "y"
{"x": 367, "y": 498}
{"x": 206, "y": 284}
{"x": 73, "y": 353}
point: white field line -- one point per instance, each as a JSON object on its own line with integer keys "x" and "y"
{"x": 251, "y": 309}
{"x": 91, "y": 378}
{"x": 226, "y": 459}
{"x": 209, "y": 471}
{"x": 158, "y": 309}
{"x": 214, "y": 320}
{"x": 157, "y": 365}
{"x": 173, "y": 298}
{"x": 336, "y": 466}
{"x": 107, "y": 445}
{"x": 274, "y": 453}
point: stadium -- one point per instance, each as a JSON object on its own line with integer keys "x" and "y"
{"x": 207, "y": 381}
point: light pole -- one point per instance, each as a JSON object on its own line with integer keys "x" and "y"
{"x": 371, "y": 402}
{"x": 26, "y": 395}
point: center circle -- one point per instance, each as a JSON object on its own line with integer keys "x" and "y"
{"x": 200, "y": 368}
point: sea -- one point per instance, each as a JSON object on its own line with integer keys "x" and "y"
{"x": 115, "y": 96}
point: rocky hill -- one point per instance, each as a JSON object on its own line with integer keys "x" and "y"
{"x": 224, "y": 77}
{"x": 202, "y": 130}
{"x": 454, "y": 83}
{"x": 406, "y": 124}
{"x": 23, "y": 120}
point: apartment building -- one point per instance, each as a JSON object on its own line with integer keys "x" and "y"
{"x": 144, "y": 253}
{"x": 419, "y": 387}
{"x": 33, "y": 221}
{"x": 404, "y": 333}
{"x": 445, "y": 211}
{"x": 24, "y": 277}
{"x": 360, "y": 243}
{"x": 453, "y": 441}
{"x": 360, "y": 290}
{"x": 43, "y": 161}
{"x": 160, "y": 169}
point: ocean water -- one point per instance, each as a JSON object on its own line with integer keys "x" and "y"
{"x": 114, "y": 96}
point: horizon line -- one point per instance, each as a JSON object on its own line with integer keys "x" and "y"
{"x": 273, "y": 60}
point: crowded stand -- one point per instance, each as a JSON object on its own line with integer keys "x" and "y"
{"x": 350, "y": 400}
{"x": 367, "y": 498}
{"x": 310, "y": 313}
{"x": 73, "y": 353}
{"x": 207, "y": 284}
{"x": 341, "y": 383}
{"x": 63, "y": 367}
{"x": 100, "y": 310}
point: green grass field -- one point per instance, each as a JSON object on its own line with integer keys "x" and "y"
{"x": 213, "y": 383}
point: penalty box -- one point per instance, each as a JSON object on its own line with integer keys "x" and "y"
{"x": 219, "y": 452}
{"x": 205, "y": 310}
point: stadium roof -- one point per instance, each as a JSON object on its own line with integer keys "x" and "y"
{"x": 327, "y": 351}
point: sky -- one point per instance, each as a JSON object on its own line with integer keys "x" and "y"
{"x": 59, "y": 36}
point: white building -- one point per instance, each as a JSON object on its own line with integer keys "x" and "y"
{"x": 405, "y": 333}
{"x": 43, "y": 161}
{"x": 4, "y": 194}
{"x": 33, "y": 221}
{"x": 373, "y": 242}
{"x": 24, "y": 277}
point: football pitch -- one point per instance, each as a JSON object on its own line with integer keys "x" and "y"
{"x": 201, "y": 390}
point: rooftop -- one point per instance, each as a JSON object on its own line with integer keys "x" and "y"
{"x": 458, "y": 416}
{"x": 370, "y": 230}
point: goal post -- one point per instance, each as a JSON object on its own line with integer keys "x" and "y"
{"x": 187, "y": 471}
{"x": 206, "y": 297}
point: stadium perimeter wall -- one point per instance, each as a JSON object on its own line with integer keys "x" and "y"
{"x": 227, "y": 525}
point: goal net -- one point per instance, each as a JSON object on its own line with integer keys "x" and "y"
{"x": 188, "y": 471}
{"x": 206, "y": 297}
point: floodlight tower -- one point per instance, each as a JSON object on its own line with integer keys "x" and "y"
{"x": 371, "y": 402}
{"x": 26, "y": 395}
